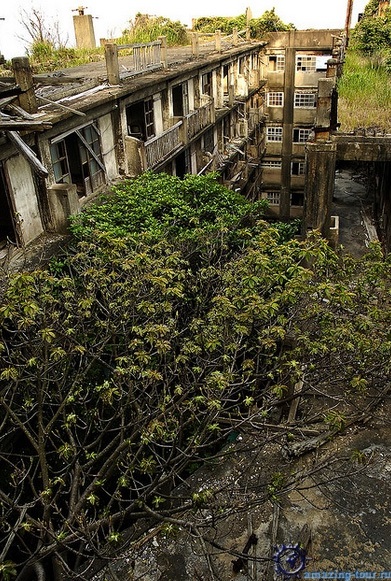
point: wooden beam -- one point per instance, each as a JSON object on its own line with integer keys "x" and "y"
{"x": 27, "y": 153}
{"x": 23, "y": 125}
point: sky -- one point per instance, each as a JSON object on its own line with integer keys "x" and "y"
{"x": 111, "y": 17}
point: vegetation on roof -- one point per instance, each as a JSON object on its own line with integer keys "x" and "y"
{"x": 365, "y": 86}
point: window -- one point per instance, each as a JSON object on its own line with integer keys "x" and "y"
{"x": 301, "y": 135}
{"x": 60, "y": 163}
{"x": 140, "y": 119}
{"x": 7, "y": 216}
{"x": 297, "y": 199}
{"x": 180, "y": 100}
{"x": 298, "y": 168}
{"x": 305, "y": 100}
{"x": 77, "y": 159}
{"x": 274, "y": 134}
{"x": 271, "y": 164}
{"x": 209, "y": 141}
{"x": 275, "y": 99}
{"x": 273, "y": 198}
{"x": 149, "y": 118}
{"x": 311, "y": 63}
{"x": 206, "y": 84}
{"x": 276, "y": 63}
{"x": 306, "y": 63}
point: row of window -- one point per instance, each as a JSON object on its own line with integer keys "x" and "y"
{"x": 300, "y": 134}
{"x": 301, "y": 100}
{"x": 274, "y": 198}
{"x": 297, "y": 167}
{"x": 305, "y": 63}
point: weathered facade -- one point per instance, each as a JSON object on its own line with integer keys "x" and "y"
{"x": 201, "y": 114}
{"x": 294, "y": 64}
{"x": 246, "y": 110}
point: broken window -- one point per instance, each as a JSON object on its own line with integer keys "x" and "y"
{"x": 297, "y": 199}
{"x": 298, "y": 168}
{"x": 276, "y": 63}
{"x": 180, "y": 100}
{"x": 275, "y": 99}
{"x": 77, "y": 158}
{"x": 140, "y": 120}
{"x": 209, "y": 141}
{"x": 306, "y": 63}
{"x": 206, "y": 84}
{"x": 312, "y": 63}
{"x": 305, "y": 100}
{"x": 274, "y": 134}
{"x": 183, "y": 163}
{"x": 301, "y": 134}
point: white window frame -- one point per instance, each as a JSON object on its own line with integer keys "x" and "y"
{"x": 305, "y": 100}
{"x": 274, "y": 198}
{"x": 274, "y": 134}
{"x": 271, "y": 164}
{"x": 301, "y": 168}
{"x": 279, "y": 60}
{"x": 306, "y": 63}
{"x": 303, "y": 134}
{"x": 275, "y": 99}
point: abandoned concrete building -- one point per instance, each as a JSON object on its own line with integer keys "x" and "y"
{"x": 248, "y": 110}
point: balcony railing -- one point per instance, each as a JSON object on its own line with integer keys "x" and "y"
{"x": 157, "y": 148}
{"x": 199, "y": 119}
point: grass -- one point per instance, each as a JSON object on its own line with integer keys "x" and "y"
{"x": 364, "y": 92}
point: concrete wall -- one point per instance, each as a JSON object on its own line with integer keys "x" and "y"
{"x": 109, "y": 149}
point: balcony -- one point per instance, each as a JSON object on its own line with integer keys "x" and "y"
{"x": 199, "y": 119}
{"x": 158, "y": 148}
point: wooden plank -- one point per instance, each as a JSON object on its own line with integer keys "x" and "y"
{"x": 23, "y": 125}
{"x": 19, "y": 111}
{"x": 298, "y": 388}
{"x": 27, "y": 153}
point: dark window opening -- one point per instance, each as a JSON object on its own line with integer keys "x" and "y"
{"x": 180, "y": 100}
{"x": 7, "y": 227}
{"x": 77, "y": 159}
{"x": 297, "y": 199}
{"x": 182, "y": 164}
{"x": 206, "y": 84}
{"x": 140, "y": 120}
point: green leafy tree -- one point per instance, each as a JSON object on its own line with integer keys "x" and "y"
{"x": 135, "y": 357}
{"x": 268, "y": 22}
{"x": 147, "y": 28}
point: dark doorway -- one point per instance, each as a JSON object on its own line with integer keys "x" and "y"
{"x": 7, "y": 227}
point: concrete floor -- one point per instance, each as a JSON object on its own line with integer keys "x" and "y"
{"x": 352, "y": 206}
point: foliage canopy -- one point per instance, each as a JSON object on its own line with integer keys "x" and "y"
{"x": 138, "y": 353}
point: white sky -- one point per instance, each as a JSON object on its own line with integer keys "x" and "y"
{"x": 111, "y": 17}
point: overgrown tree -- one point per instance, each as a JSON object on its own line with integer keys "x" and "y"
{"x": 135, "y": 356}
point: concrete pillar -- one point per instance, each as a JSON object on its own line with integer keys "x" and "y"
{"x": 163, "y": 40}
{"x": 24, "y": 78}
{"x": 84, "y": 31}
{"x": 63, "y": 203}
{"x": 319, "y": 186}
{"x": 218, "y": 40}
{"x": 326, "y": 111}
{"x": 286, "y": 154}
{"x": 112, "y": 65}
{"x": 195, "y": 44}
